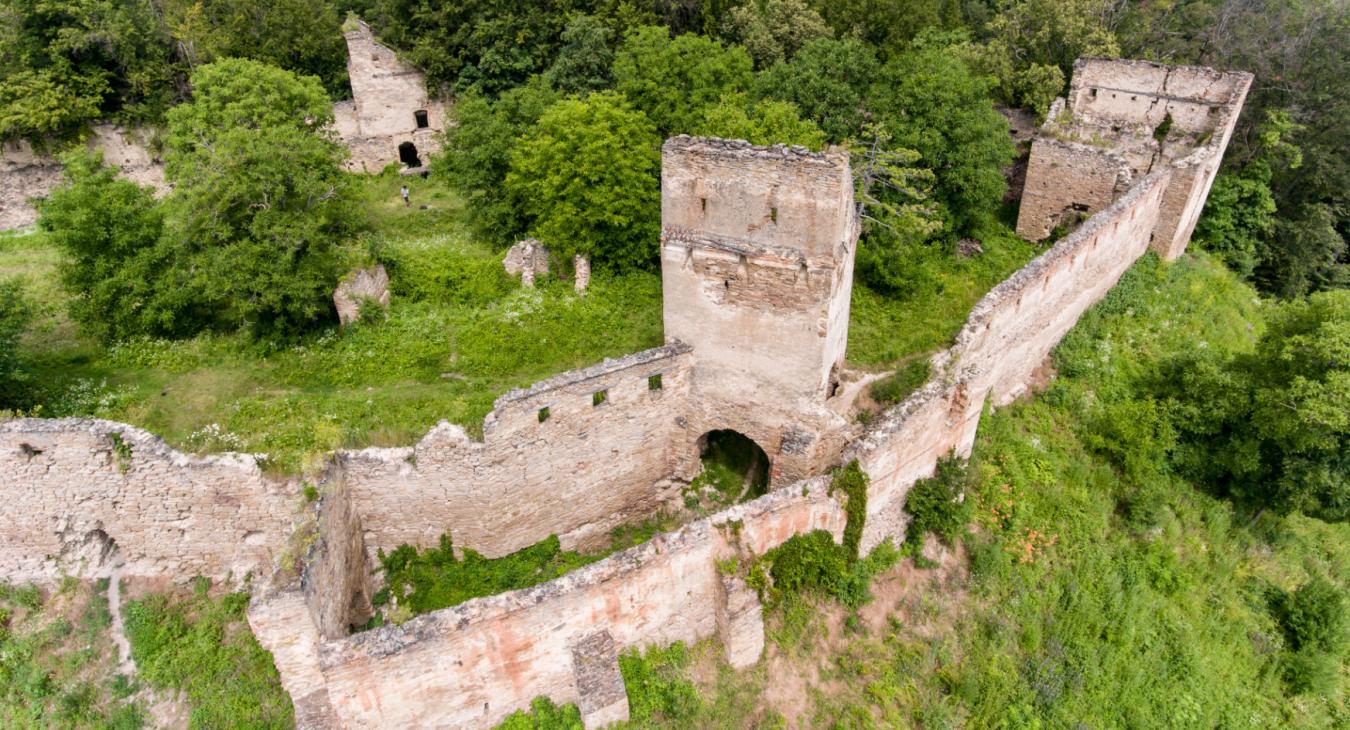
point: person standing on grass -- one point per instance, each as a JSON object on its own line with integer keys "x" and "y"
{"x": 404, "y": 192}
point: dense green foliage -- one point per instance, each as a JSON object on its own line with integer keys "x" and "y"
{"x": 1272, "y": 427}
{"x": 16, "y": 313}
{"x": 477, "y": 157}
{"x": 418, "y": 582}
{"x": 765, "y": 123}
{"x": 829, "y": 80}
{"x": 898, "y": 385}
{"x": 673, "y": 80}
{"x": 938, "y": 504}
{"x": 248, "y": 239}
{"x": 587, "y": 174}
{"x": 544, "y": 715}
{"x": 202, "y": 646}
{"x": 773, "y": 31}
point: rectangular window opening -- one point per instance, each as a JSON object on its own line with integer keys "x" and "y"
{"x": 773, "y": 214}
{"x": 421, "y": 116}
{"x": 654, "y": 382}
{"x": 704, "y": 203}
{"x": 599, "y": 397}
{"x": 544, "y": 413}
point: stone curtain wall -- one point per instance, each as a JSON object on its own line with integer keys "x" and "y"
{"x": 505, "y": 492}
{"x": 26, "y": 175}
{"x": 1063, "y": 174}
{"x": 72, "y": 491}
{"x": 471, "y": 665}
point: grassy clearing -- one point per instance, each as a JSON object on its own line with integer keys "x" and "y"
{"x": 202, "y": 646}
{"x": 1097, "y": 596}
{"x": 58, "y": 662}
{"x": 885, "y": 330}
{"x": 459, "y": 333}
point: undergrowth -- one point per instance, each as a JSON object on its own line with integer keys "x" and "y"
{"x": 421, "y": 581}
{"x": 202, "y": 646}
{"x": 57, "y": 660}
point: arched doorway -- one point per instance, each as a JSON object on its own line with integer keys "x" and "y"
{"x": 735, "y": 469}
{"x": 407, "y": 154}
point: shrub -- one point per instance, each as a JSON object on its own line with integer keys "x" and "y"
{"x": 656, "y": 685}
{"x": 544, "y": 715}
{"x": 15, "y": 314}
{"x": 1314, "y": 616}
{"x": 938, "y": 504}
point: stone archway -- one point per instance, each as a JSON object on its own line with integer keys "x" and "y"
{"x": 733, "y": 465}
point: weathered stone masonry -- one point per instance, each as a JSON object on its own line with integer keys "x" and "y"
{"x": 555, "y": 458}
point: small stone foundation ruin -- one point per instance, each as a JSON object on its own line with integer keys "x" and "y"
{"x": 757, "y": 254}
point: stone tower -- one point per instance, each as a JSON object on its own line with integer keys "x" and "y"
{"x": 757, "y": 252}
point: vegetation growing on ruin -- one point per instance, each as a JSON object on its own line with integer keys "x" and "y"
{"x": 201, "y": 645}
{"x": 1103, "y": 588}
{"x": 58, "y": 662}
{"x": 419, "y": 581}
{"x": 734, "y": 469}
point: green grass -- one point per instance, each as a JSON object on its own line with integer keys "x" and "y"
{"x": 1103, "y": 592}
{"x": 201, "y": 645}
{"x": 885, "y": 330}
{"x": 458, "y": 334}
{"x": 57, "y": 661}
{"x": 418, "y": 582}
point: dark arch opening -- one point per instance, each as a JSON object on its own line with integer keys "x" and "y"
{"x": 735, "y": 468}
{"x": 407, "y": 154}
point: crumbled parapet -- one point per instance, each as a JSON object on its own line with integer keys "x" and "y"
{"x": 595, "y": 663}
{"x": 360, "y": 289}
{"x": 740, "y": 620}
{"x": 529, "y": 259}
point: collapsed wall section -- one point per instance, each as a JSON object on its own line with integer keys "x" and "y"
{"x": 391, "y": 117}
{"x": 73, "y": 490}
{"x": 616, "y": 429}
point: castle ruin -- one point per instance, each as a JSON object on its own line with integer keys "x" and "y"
{"x": 1122, "y": 120}
{"x": 757, "y": 254}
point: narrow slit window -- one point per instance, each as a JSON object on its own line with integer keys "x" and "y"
{"x": 654, "y": 382}
{"x": 773, "y": 214}
{"x": 544, "y": 413}
{"x": 599, "y": 397}
{"x": 704, "y": 203}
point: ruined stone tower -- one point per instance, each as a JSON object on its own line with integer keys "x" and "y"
{"x": 391, "y": 117}
{"x": 1121, "y": 121}
{"x": 757, "y": 268}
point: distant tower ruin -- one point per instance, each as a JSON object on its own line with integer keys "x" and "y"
{"x": 1122, "y": 120}
{"x": 391, "y": 117}
{"x": 757, "y": 257}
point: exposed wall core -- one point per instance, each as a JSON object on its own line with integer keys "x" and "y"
{"x": 390, "y": 105}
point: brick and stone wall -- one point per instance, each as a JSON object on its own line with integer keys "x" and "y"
{"x": 74, "y": 490}
{"x": 390, "y": 105}
{"x": 1145, "y": 115}
{"x": 504, "y": 493}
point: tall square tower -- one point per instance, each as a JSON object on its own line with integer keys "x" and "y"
{"x": 757, "y": 252}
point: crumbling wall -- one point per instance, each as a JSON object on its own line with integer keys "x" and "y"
{"x": 67, "y": 483}
{"x": 26, "y": 174}
{"x": 1068, "y": 182}
{"x": 555, "y": 458}
{"x": 1149, "y": 115}
{"x": 472, "y": 664}
{"x": 390, "y": 105}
